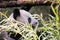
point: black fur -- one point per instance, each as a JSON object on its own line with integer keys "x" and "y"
{"x": 1, "y": 0}
{"x": 29, "y": 20}
{"x": 14, "y": 35}
{"x": 26, "y": 7}
{"x": 16, "y": 13}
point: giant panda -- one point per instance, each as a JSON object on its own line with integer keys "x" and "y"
{"x": 23, "y": 16}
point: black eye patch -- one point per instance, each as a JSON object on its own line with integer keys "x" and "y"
{"x": 29, "y": 20}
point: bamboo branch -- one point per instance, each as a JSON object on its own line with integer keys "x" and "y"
{"x": 17, "y": 3}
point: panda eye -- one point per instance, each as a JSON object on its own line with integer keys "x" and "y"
{"x": 29, "y": 20}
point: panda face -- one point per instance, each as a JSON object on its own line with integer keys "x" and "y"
{"x": 23, "y": 16}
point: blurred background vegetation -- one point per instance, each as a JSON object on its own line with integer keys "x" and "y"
{"x": 49, "y": 28}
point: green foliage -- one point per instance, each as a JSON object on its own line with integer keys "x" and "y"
{"x": 50, "y": 30}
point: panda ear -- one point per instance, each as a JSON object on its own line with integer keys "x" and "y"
{"x": 16, "y": 13}
{"x": 26, "y": 7}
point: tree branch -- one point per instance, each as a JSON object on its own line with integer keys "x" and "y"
{"x": 18, "y": 3}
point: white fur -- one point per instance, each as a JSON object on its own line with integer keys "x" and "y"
{"x": 24, "y": 17}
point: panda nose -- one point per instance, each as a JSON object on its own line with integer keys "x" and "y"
{"x": 34, "y": 25}
{"x": 35, "y": 22}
